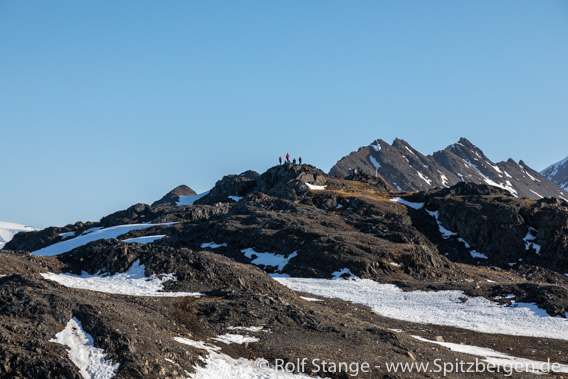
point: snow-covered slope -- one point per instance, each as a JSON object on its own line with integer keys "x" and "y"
{"x": 558, "y": 173}
{"x": 9, "y": 229}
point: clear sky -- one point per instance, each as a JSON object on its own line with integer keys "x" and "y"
{"x": 107, "y": 103}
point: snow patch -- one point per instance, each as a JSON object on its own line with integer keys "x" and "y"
{"x": 374, "y": 162}
{"x": 377, "y": 146}
{"x": 67, "y": 235}
{"x": 429, "y": 181}
{"x": 539, "y": 195}
{"x": 443, "y": 231}
{"x": 268, "y": 259}
{"x": 314, "y": 187}
{"x": 529, "y": 238}
{"x": 94, "y": 235}
{"x": 507, "y": 362}
{"x": 82, "y": 352}
{"x": 132, "y": 282}
{"x": 407, "y": 203}
{"x": 190, "y": 199}
{"x": 235, "y": 198}
{"x": 145, "y": 239}
{"x": 313, "y": 299}
{"x": 440, "y": 307}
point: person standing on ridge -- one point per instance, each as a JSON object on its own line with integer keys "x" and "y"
{"x": 280, "y": 160}
{"x": 300, "y": 160}
{"x": 287, "y": 157}
{"x": 294, "y": 161}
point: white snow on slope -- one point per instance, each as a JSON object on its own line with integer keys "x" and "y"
{"x": 219, "y": 365}
{"x": 539, "y": 195}
{"x": 314, "y": 187}
{"x": 529, "y": 238}
{"x": 89, "y": 359}
{"x": 509, "y": 363}
{"x": 67, "y": 235}
{"x": 444, "y": 179}
{"x": 132, "y": 282}
{"x": 440, "y": 308}
{"x": 235, "y": 198}
{"x": 407, "y": 203}
{"x": 554, "y": 168}
{"x": 374, "y": 162}
{"x": 506, "y": 186}
{"x": 98, "y": 234}
{"x": 376, "y": 147}
{"x": 190, "y": 199}
{"x": 473, "y": 253}
{"x": 268, "y": 259}
{"x": 424, "y": 178}
{"x": 9, "y": 229}
{"x": 445, "y": 232}
{"x": 145, "y": 239}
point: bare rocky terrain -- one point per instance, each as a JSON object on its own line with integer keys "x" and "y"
{"x": 515, "y": 246}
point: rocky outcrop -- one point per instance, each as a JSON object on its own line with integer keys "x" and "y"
{"x": 230, "y": 188}
{"x": 172, "y": 197}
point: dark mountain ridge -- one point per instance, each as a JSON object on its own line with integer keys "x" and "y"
{"x": 405, "y": 168}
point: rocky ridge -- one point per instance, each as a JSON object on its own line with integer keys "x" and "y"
{"x": 405, "y": 168}
{"x": 558, "y": 173}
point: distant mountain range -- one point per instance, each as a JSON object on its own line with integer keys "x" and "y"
{"x": 406, "y": 169}
{"x": 558, "y": 173}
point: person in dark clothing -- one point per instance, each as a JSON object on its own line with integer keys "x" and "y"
{"x": 294, "y": 161}
{"x": 300, "y": 160}
{"x": 280, "y": 160}
{"x": 287, "y": 157}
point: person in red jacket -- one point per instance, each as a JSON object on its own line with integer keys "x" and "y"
{"x": 280, "y": 160}
{"x": 336, "y": 176}
{"x": 287, "y": 157}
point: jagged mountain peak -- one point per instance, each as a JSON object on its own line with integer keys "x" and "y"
{"x": 558, "y": 173}
{"x": 405, "y": 168}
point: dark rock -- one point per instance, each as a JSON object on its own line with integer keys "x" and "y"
{"x": 230, "y": 185}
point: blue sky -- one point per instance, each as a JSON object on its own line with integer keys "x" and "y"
{"x": 105, "y": 104}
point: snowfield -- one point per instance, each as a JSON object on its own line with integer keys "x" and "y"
{"x": 439, "y": 308}
{"x": 132, "y": 282}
